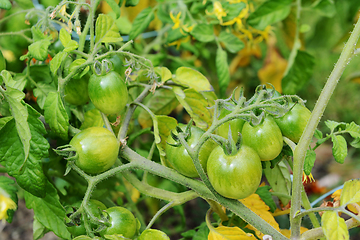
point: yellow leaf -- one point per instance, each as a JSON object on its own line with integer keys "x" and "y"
{"x": 334, "y": 227}
{"x": 258, "y": 206}
{"x": 231, "y": 233}
{"x": 273, "y": 69}
{"x": 350, "y": 192}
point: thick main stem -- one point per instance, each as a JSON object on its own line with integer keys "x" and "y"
{"x": 300, "y": 151}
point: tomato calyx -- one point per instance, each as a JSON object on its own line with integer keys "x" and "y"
{"x": 101, "y": 69}
{"x": 180, "y": 133}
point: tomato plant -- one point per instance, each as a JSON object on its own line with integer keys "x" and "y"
{"x": 122, "y": 221}
{"x": 234, "y": 176}
{"x": 108, "y": 92}
{"x": 180, "y": 159}
{"x": 265, "y": 138}
{"x": 293, "y": 123}
{"x": 2, "y": 62}
{"x": 70, "y": 133}
{"x": 90, "y": 146}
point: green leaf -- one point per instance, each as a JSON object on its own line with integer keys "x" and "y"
{"x": 299, "y": 73}
{"x": 196, "y": 105}
{"x": 106, "y": 30}
{"x": 75, "y": 64}
{"x": 339, "y": 148}
{"x": 115, "y": 7}
{"x": 163, "y": 102}
{"x": 355, "y": 143}
{"x": 27, "y": 171}
{"x": 20, "y": 114}
{"x": 326, "y": 8}
{"x": 332, "y": 125}
{"x": 266, "y": 196}
{"x": 67, "y": 42}
{"x": 39, "y": 230}
{"x": 164, "y": 73}
{"x": 232, "y": 10}
{"x": 7, "y": 185}
{"x": 334, "y": 227}
{"x": 55, "y": 115}
{"x": 309, "y": 161}
{"x": 350, "y": 193}
{"x": 141, "y": 22}
{"x": 318, "y": 134}
{"x": 191, "y": 78}
{"x": 4, "y": 120}
{"x": 203, "y": 32}
{"x": 41, "y": 92}
{"x": 279, "y": 180}
{"x": 92, "y": 118}
{"x": 37, "y": 34}
{"x": 222, "y": 70}
{"x": 231, "y": 42}
{"x": 18, "y": 83}
{"x": 353, "y": 129}
{"x": 55, "y": 63}
{"x": 5, "y": 4}
{"x": 48, "y": 211}
{"x": 269, "y": 12}
{"x": 39, "y": 49}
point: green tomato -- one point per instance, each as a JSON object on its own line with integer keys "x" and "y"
{"x": 2, "y": 62}
{"x": 294, "y": 122}
{"x": 234, "y": 176}
{"x": 236, "y": 126}
{"x": 97, "y": 149}
{"x": 108, "y": 92}
{"x": 179, "y": 157}
{"x": 153, "y": 234}
{"x": 265, "y": 138}
{"x": 122, "y": 222}
{"x": 76, "y": 91}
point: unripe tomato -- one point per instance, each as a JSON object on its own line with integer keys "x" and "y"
{"x": 108, "y": 92}
{"x": 234, "y": 176}
{"x": 293, "y": 123}
{"x": 97, "y": 149}
{"x": 179, "y": 157}
{"x": 265, "y": 138}
{"x": 76, "y": 91}
{"x": 153, "y": 234}
{"x": 122, "y": 222}
{"x": 236, "y": 126}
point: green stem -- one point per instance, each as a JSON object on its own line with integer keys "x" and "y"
{"x": 305, "y": 140}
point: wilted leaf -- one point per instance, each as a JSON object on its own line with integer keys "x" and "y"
{"x": 229, "y": 233}
{"x": 350, "y": 192}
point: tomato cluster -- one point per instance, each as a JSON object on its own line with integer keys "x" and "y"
{"x": 238, "y": 174}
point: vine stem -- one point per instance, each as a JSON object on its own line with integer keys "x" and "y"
{"x": 300, "y": 150}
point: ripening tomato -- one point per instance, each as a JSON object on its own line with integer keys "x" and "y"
{"x": 97, "y": 149}
{"x": 265, "y": 138}
{"x": 179, "y": 157}
{"x": 108, "y": 92}
{"x": 293, "y": 123}
{"x": 234, "y": 176}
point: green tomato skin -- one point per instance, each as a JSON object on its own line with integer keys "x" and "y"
{"x": 179, "y": 157}
{"x": 153, "y": 234}
{"x": 265, "y": 138}
{"x": 76, "y": 91}
{"x": 108, "y": 92}
{"x": 294, "y": 122}
{"x": 97, "y": 149}
{"x": 122, "y": 222}
{"x": 234, "y": 176}
{"x": 236, "y": 126}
